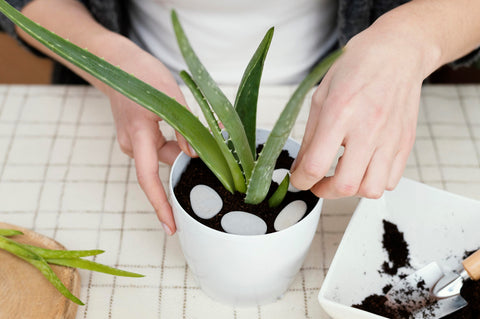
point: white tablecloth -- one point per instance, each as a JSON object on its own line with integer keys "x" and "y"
{"x": 63, "y": 175}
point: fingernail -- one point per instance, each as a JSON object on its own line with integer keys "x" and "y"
{"x": 192, "y": 151}
{"x": 167, "y": 229}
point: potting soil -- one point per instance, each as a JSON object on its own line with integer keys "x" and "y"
{"x": 197, "y": 172}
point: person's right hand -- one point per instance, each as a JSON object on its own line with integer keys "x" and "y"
{"x": 139, "y": 135}
{"x": 368, "y": 103}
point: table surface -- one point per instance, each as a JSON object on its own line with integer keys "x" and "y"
{"x": 62, "y": 174}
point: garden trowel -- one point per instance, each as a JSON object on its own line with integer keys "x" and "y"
{"x": 429, "y": 293}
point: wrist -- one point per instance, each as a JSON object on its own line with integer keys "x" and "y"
{"x": 128, "y": 56}
{"x": 402, "y": 31}
{"x": 120, "y": 52}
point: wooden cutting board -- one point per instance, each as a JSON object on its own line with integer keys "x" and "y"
{"x": 25, "y": 293}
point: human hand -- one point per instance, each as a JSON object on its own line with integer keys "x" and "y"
{"x": 139, "y": 135}
{"x": 137, "y": 129}
{"x": 368, "y": 102}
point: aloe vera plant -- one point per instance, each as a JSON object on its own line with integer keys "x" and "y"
{"x": 40, "y": 258}
{"x": 232, "y": 159}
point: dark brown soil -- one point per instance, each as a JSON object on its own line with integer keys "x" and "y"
{"x": 394, "y": 243}
{"x": 198, "y": 173}
{"x": 397, "y": 248}
{"x": 376, "y": 304}
{"x": 398, "y": 256}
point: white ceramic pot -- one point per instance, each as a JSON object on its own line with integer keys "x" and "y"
{"x": 242, "y": 270}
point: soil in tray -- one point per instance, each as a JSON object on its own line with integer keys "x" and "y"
{"x": 397, "y": 248}
{"x": 398, "y": 256}
{"x": 198, "y": 173}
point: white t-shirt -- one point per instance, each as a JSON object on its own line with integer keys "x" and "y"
{"x": 226, "y": 33}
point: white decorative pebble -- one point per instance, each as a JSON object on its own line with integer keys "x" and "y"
{"x": 290, "y": 215}
{"x": 205, "y": 201}
{"x": 242, "y": 223}
{"x": 279, "y": 175}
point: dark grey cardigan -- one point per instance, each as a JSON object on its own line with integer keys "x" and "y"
{"x": 353, "y": 17}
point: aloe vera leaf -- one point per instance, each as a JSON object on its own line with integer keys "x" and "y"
{"x": 50, "y": 253}
{"x": 39, "y": 263}
{"x": 235, "y": 169}
{"x": 10, "y": 232}
{"x": 247, "y": 95}
{"x": 279, "y": 194}
{"x": 219, "y": 102}
{"x": 262, "y": 173}
{"x": 17, "y": 249}
{"x": 175, "y": 114}
{"x": 54, "y": 280}
{"x": 91, "y": 265}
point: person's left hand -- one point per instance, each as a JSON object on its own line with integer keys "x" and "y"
{"x": 368, "y": 102}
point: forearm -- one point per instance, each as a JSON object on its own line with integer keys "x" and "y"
{"x": 71, "y": 20}
{"x": 442, "y": 30}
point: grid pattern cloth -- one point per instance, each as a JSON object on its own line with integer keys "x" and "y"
{"x": 62, "y": 174}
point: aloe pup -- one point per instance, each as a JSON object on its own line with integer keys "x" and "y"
{"x": 40, "y": 258}
{"x": 232, "y": 160}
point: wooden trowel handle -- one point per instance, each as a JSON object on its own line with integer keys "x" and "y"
{"x": 472, "y": 265}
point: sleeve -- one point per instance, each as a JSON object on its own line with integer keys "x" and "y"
{"x": 9, "y": 27}
{"x": 60, "y": 74}
{"x": 5, "y": 24}
{"x": 354, "y": 16}
{"x": 467, "y": 60}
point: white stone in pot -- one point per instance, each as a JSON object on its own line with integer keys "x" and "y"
{"x": 279, "y": 175}
{"x": 205, "y": 201}
{"x": 242, "y": 223}
{"x": 290, "y": 215}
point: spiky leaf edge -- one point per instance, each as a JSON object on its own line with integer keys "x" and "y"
{"x": 216, "y": 98}
{"x": 235, "y": 170}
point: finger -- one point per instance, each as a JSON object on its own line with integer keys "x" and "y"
{"x": 185, "y": 146}
{"x": 375, "y": 181}
{"x": 124, "y": 142}
{"x": 318, "y": 155}
{"x": 398, "y": 167}
{"x": 406, "y": 143}
{"x": 315, "y": 109}
{"x": 349, "y": 172}
{"x": 146, "y": 163}
{"x": 168, "y": 152}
